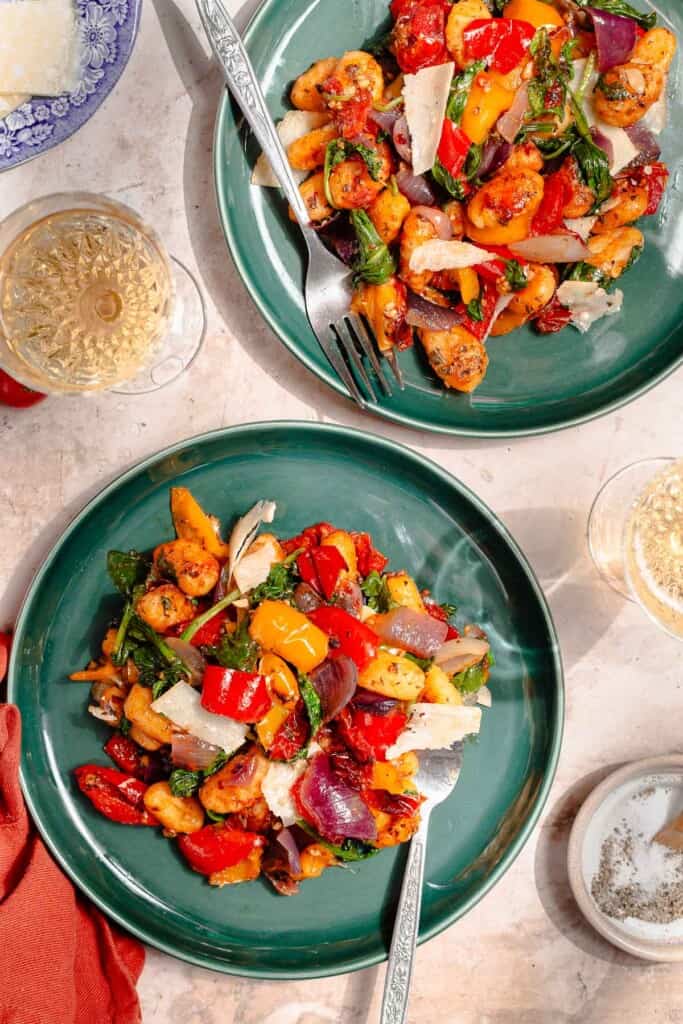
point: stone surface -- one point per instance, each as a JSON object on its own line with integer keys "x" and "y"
{"x": 523, "y": 955}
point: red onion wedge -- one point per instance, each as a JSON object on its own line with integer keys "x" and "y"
{"x": 422, "y": 313}
{"x": 511, "y": 121}
{"x": 560, "y": 248}
{"x": 457, "y": 655}
{"x": 496, "y": 151}
{"x": 190, "y": 656}
{"x": 335, "y": 683}
{"x": 615, "y": 37}
{"x": 375, "y": 703}
{"x": 189, "y": 752}
{"x": 401, "y": 136}
{"x": 385, "y": 119}
{"x": 647, "y": 144}
{"x": 349, "y": 596}
{"x": 415, "y": 187}
{"x": 411, "y": 630}
{"x": 605, "y": 144}
{"x": 334, "y": 809}
{"x": 306, "y": 597}
{"x": 438, "y": 219}
{"x": 288, "y": 843}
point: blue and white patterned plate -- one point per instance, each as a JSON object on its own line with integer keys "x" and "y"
{"x": 108, "y": 29}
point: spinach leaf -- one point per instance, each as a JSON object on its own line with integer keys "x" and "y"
{"x": 312, "y": 702}
{"x": 236, "y": 650}
{"x": 349, "y": 850}
{"x": 280, "y": 584}
{"x": 451, "y": 609}
{"x": 454, "y": 186}
{"x": 474, "y": 310}
{"x": 127, "y": 570}
{"x": 515, "y": 275}
{"x": 471, "y": 680}
{"x": 124, "y": 725}
{"x": 219, "y": 760}
{"x": 613, "y": 91}
{"x": 473, "y": 161}
{"x": 341, "y": 149}
{"x": 183, "y": 782}
{"x": 424, "y": 663}
{"x": 460, "y": 91}
{"x": 593, "y": 161}
{"x": 376, "y": 590}
{"x": 375, "y": 263}
{"x": 215, "y": 817}
{"x": 585, "y": 272}
{"x": 623, "y": 8}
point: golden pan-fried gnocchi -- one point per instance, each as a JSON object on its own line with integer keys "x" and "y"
{"x": 268, "y": 729}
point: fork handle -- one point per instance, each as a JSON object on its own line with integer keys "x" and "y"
{"x": 406, "y": 927}
{"x": 239, "y": 73}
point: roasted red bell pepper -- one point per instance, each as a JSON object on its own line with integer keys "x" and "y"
{"x": 350, "y": 112}
{"x": 216, "y": 847}
{"x": 349, "y": 636}
{"x": 292, "y": 734}
{"x": 441, "y": 615}
{"x": 501, "y": 42}
{"x": 5, "y": 648}
{"x": 553, "y": 318}
{"x": 308, "y": 538}
{"x": 487, "y": 299}
{"x": 453, "y": 148}
{"x": 114, "y": 794}
{"x": 369, "y": 735}
{"x": 550, "y": 214}
{"x": 419, "y": 36}
{"x": 243, "y": 696}
{"x": 125, "y": 754}
{"x": 209, "y": 634}
{"x": 322, "y": 567}
{"x": 16, "y": 394}
{"x": 398, "y": 804}
{"x": 368, "y": 558}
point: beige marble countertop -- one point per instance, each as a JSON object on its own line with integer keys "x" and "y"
{"x": 523, "y": 955}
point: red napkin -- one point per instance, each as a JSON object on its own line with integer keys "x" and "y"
{"x": 61, "y": 962}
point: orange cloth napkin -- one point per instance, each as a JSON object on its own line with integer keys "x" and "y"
{"x": 61, "y": 962}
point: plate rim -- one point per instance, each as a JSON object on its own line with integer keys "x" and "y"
{"x": 325, "y": 374}
{"x": 556, "y": 724}
{"x": 106, "y": 93}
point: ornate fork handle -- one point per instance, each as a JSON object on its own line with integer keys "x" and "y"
{"x": 406, "y": 927}
{"x": 241, "y": 78}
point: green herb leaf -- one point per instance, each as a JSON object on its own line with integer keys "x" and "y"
{"x": 376, "y": 590}
{"x": 280, "y": 584}
{"x": 471, "y": 679}
{"x": 474, "y": 310}
{"x": 515, "y": 275}
{"x": 375, "y": 263}
{"x": 312, "y": 701}
{"x": 349, "y": 850}
{"x": 612, "y": 90}
{"x": 454, "y": 186}
{"x": 216, "y": 765}
{"x": 197, "y": 623}
{"x": 127, "y": 570}
{"x": 236, "y": 650}
{"x": 124, "y": 725}
{"x": 473, "y": 161}
{"x": 451, "y": 609}
{"x": 215, "y": 817}
{"x": 341, "y": 149}
{"x": 460, "y": 91}
{"x": 585, "y": 272}
{"x": 183, "y": 782}
{"x": 593, "y": 163}
{"x": 424, "y": 663}
{"x": 647, "y": 21}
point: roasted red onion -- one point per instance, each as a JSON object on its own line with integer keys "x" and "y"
{"x": 190, "y": 656}
{"x": 401, "y": 136}
{"x": 376, "y": 703}
{"x": 385, "y": 119}
{"x": 604, "y": 143}
{"x": 615, "y": 37}
{"x": 423, "y": 313}
{"x": 288, "y": 843}
{"x": 306, "y": 597}
{"x": 349, "y": 596}
{"x": 496, "y": 151}
{"x": 338, "y": 235}
{"x": 333, "y": 808}
{"x": 560, "y": 248}
{"x": 335, "y": 683}
{"x": 411, "y": 630}
{"x": 415, "y": 188}
{"x": 189, "y": 752}
{"x": 439, "y": 220}
{"x": 646, "y": 143}
{"x": 457, "y": 655}
{"x": 222, "y": 588}
{"x": 511, "y": 121}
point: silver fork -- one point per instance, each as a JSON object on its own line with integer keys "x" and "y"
{"x": 343, "y": 336}
{"x": 435, "y": 779}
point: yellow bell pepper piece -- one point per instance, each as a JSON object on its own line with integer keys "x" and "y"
{"x": 403, "y": 590}
{"x": 279, "y": 628}
{"x": 469, "y": 284}
{"x": 280, "y": 676}
{"x": 535, "y": 12}
{"x": 191, "y": 522}
{"x": 487, "y": 100}
{"x": 268, "y": 726}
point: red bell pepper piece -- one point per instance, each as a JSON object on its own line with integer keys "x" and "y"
{"x": 350, "y": 112}
{"x": 308, "y": 538}
{"x": 216, "y": 847}
{"x": 501, "y": 42}
{"x": 397, "y": 804}
{"x": 440, "y": 614}
{"x": 321, "y": 568}
{"x": 369, "y": 735}
{"x": 243, "y": 696}
{"x": 419, "y": 36}
{"x": 125, "y": 754}
{"x": 292, "y": 734}
{"x": 453, "y": 148}
{"x": 654, "y": 177}
{"x": 209, "y": 634}
{"x": 488, "y": 299}
{"x": 368, "y": 558}
{"x": 349, "y": 636}
{"x": 550, "y": 214}
{"x": 553, "y": 318}
{"x": 5, "y": 648}
{"x": 16, "y": 394}
{"x": 114, "y": 794}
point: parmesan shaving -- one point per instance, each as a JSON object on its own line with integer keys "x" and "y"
{"x": 588, "y": 302}
{"x": 440, "y": 255}
{"x": 426, "y": 95}
{"x": 435, "y": 727}
{"x": 293, "y": 126}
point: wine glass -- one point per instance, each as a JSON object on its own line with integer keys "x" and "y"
{"x": 635, "y": 537}
{"x": 90, "y": 300}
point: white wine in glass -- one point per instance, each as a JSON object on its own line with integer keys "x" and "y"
{"x": 635, "y": 535}
{"x": 88, "y": 298}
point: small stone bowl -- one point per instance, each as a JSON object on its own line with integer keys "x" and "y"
{"x": 620, "y": 797}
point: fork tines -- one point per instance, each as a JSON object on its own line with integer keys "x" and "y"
{"x": 356, "y": 342}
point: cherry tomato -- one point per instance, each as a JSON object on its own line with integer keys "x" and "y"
{"x": 420, "y": 37}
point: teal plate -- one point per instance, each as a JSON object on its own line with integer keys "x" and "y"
{"x": 425, "y": 521}
{"x": 534, "y": 383}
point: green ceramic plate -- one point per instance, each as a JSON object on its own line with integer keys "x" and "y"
{"x": 424, "y": 520}
{"x": 534, "y": 384}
